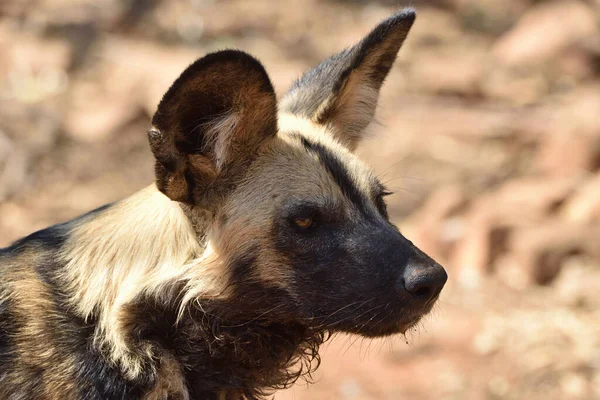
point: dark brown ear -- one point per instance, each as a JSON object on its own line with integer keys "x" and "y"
{"x": 210, "y": 124}
{"x": 342, "y": 92}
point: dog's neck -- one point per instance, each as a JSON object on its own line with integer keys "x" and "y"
{"x": 223, "y": 344}
{"x": 225, "y": 349}
{"x": 199, "y": 221}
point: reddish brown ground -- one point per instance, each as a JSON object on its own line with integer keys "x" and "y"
{"x": 489, "y": 133}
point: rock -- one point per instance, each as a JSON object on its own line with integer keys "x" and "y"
{"x": 13, "y": 167}
{"x": 544, "y": 31}
{"x": 26, "y": 133}
{"x": 526, "y": 201}
{"x": 567, "y": 155}
{"x": 573, "y": 113}
{"x": 568, "y": 133}
{"x": 576, "y": 64}
{"x": 574, "y": 385}
{"x": 443, "y": 117}
{"x": 489, "y": 16}
{"x": 96, "y": 120}
{"x": 472, "y": 255}
{"x": 436, "y": 230}
{"x": 584, "y": 205}
{"x": 146, "y": 70}
{"x": 540, "y": 251}
{"x": 35, "y": 54}
{"x": 576, "y": 286}
{"x": 517, "y": 87}
{"x": 32, "y": 69}
{"x": 493, "y": 218}
{"x": 454, "y": 71}
{"x": 435, "y": 26}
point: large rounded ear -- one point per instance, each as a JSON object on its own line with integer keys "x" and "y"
{"x": 210, "y": 124}
{"x": 342, "y": 92}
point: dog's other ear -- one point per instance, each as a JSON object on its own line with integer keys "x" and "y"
{"x": 342, "y": 92}
{"x": 210, "y": 124}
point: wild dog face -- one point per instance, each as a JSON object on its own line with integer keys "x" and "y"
{"x": 299, "y": 221}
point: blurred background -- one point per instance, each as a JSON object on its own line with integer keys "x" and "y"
{"x": 489, "y": 133}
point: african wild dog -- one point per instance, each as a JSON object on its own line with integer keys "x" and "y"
{"x": 262, "y": 235}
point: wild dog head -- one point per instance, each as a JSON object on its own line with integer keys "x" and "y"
{"x": 298, "y": 221}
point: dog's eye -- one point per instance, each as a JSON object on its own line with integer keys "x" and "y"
{"x": 380, "y": 202}
{"x": 304, "y": 222}
{"x": 304, "y": 218}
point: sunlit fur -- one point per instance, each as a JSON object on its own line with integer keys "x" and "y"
{"x": 166, "y": 250}
{"x": 158, "y": 249}
{"x": 155, "y": 246}
{"x": 196, "y": 287}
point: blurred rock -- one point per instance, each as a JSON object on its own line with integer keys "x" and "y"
{"x": 13, "y": 167}
{"x": 32, "y": 69}
{"x": 488, "y": 16}
{"x": 427, "y": 118}
{"x": 544, "y": 31}
{"x": 574, "y": 385}
{"x": 61, "y": 16}
{"x": 26, "y": 133}
{"x": 492, "y": 220}
{"x": 436, "y": 230}
{"x": 142, "y": 71}
{"x": 540, "y": 252}
{"x": 96, "y": 120}
{"x": 519, "y": 87}
{"x": 529, "y": 200}
{"x": 436, "y": 27}
{"x": 572, "y": 113}
{"x": 576, "y": 285}
{"x": 454, "y": 71}
{"x": 26, "y": 51}
{"x": 584, "y": 205}
{"x": 577, "y": 63}
{"x": 564, "y": 154}
{"x": 472, "y": 255}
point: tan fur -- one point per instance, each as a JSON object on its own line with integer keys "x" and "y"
{"x": 170, "y": 381}
{"x": 348, "y": 115}
{"x": 140, "y": 245}
{"x": 32, "y": 300}
{"x": 146, "y": 243}
{"x": 224, "y": 172}
{"x": 326, "y": 134}
{"x": 252, "y": 207}
{"x": 111, "y": 262}
{"x": 289, "y": 122}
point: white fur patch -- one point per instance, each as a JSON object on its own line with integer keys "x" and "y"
{"x": 218, "y": 136}
{"x": 141, "y": 245}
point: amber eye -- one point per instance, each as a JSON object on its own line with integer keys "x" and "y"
{"x": 304, "y": 222}
{"x": 380, "y": 202}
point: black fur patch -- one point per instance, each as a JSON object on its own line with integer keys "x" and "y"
{"x": 213, "y": 87}
{"x": 338, "y": 171}
{"x": 51, "y": 238}
{"x": 249, "y": 344}
{"x": 68, "y": 336}
{"x": 185, "y": 109}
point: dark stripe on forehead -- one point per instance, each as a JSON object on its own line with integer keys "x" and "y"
{"x": 338, "y": 171}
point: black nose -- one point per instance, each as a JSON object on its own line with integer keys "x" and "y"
{"x": 424, "y": 280}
